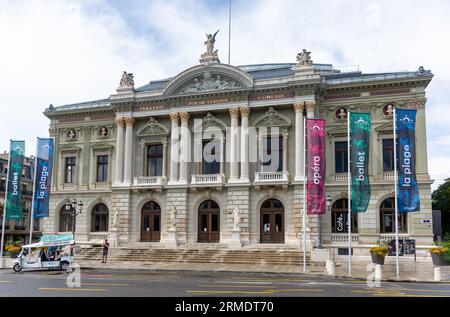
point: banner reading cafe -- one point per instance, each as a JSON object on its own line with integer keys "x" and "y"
{"x": 214, "y": 156}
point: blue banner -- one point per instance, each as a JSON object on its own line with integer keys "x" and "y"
{"x": 14, "y": 209}
{"x": 44, "y": 167}
{"x": 408, "y": 190}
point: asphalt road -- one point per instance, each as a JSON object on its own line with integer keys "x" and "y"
{"x": 137, "y": 283}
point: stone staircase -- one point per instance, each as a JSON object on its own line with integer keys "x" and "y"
{"x": 276, "y": 255}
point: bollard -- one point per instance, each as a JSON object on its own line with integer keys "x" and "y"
{"x": 378, "y": 273}
{"x": 2, "y": 263}
{"x": 437, "y": 274}
{"x": 331, "y": 268}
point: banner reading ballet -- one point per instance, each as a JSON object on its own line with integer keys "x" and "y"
{"x": 43, "y": 178}
{"x": 315, "y": 196}
{"x": 408, "y": 190}
{"x": 360, "y": 125}
{"x": 14, "y": 209}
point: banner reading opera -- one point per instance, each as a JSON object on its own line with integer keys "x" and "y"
{"x": 315, "y": 197}
{"x": 407, "y": 188}
{"x": 44, "y": 167}
{"x": 14, "y": 209}
{"x": 360, "y": 125}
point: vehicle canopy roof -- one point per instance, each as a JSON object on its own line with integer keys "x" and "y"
{"x": 52, "y": 240}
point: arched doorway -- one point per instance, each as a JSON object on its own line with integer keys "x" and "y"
{"x": 339, "y": 217}
{"x": 272, "y": 221}
{"x": 387, "y": 218}
{"x": 99, "y": 220}
{"x": 151, "y": 222}
{"x": 209, "y": 222}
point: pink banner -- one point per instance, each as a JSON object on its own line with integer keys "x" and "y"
{"x": 315, "y": 196}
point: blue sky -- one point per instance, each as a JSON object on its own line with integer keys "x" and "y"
{"x": 60, "y": 52}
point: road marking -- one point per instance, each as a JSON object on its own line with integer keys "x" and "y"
{"x": 5, "y": 281}
{"x": 105, "y": 284}
{"x": 231, "y": 282}
{"x": 410, "y": 295}
{"x": 73, "y": 289}
{"x": 240, "y": 286}
{"x": 230, "y": 292}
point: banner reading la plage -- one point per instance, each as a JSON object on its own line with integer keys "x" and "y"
{"x": 315, "y": 197}
{"x": 14, "y": 209}
{"x": 360, "y": 125}
{"x": 43, "y": 179}
{"x": 408, "y": 190}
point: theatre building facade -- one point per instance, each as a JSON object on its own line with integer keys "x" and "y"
{"x": 137, "y": 159}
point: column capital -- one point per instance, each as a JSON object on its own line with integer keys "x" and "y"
{"x": 184, "y": 116}
{"x": 234, "y": 112}
{"x": 174, "y": 116}
{"x": 245, "y": 112}
{"x": 310, "y": 105}
{"x": 129, "y": 121}
{"x": 285, "y": 134}
{"x": 299, "y": 106}
{"x": 120, "y": 122}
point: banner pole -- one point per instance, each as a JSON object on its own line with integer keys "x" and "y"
{"x": 4, "y": 208}
{"x": 304, "y": 195}
{"x": 349, "y": 216}
{"x": 34, "y": 194}
{"x": 397, "y": 260}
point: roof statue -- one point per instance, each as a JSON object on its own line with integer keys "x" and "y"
{"x": 127, "y": 80}
{"x": 210, "y": 56}
{"x": 304, "y": 59}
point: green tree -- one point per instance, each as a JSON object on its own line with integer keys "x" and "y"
{"x": 441, "y": 201}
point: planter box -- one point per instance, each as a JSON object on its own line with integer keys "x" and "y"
{"x": 377, "y": 259}
{"x": 438, "y": 260}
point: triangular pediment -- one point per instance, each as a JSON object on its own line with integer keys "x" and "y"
{"x": 153, "y": 127}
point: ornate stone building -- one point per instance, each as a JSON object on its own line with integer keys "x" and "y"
{"x": 135, "y": 158}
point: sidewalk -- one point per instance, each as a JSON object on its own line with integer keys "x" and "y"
{"x": 409, "y": 272}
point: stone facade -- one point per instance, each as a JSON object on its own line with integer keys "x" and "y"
{"x": 124, "y": 126}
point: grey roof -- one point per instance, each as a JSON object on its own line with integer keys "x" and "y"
{"x": 330, "y": 75}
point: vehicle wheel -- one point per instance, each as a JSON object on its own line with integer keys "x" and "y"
{"x": 17, "y": 267}
{"x": 64, "y": 265}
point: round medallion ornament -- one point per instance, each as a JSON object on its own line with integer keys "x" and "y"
{"x": 388, "y": 110}
{"x": 341, "y": 114}
{"x": 103, "y": 132}
{"x": 71, "y": 134}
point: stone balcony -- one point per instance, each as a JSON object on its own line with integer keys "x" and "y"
{"x": 208, "y": 180}
{"x": 148, "y": 182}
{"x": 271, "y": 178}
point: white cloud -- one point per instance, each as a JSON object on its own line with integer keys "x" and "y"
{"x": 63, "y": 51}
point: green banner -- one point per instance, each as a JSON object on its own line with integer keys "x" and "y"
{"x": 14, "y": 209}
{"x": 360, "y": 126}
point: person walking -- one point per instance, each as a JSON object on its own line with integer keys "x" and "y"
{"x": 105, "y": 251}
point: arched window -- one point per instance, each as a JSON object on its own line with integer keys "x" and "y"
{"x": 65, "y": 220}
{"x": 339, "y": 217}
{"x": 100, "y": 216}
{"x": 387, "y": 218}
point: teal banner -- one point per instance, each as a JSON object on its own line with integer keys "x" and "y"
{"x": 14, "y": 209}
{"x": 360, "y": 125}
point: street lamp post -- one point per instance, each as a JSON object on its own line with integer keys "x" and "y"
{"x": 72, "y": 207}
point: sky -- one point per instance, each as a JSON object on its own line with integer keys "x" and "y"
{"x": 61, "y": 52}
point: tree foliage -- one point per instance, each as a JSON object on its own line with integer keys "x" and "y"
{"x": 441, "y": 201}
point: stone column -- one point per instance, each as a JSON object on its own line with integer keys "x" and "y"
{"x": 164, "y": 162}
{"x": 185, "y": 146}
{"x": 127, "y": 174}
{"x": 174, "y": 148}
{"x": 222, "y": 156}
{"x": 310, "y": 107}
{"x": 299, "y": 138}
{"x": 245, "y": 112}
{"x": 234, "y": 112}
{"x": 119, "y": 150}
{"x": 421, "y": 132}
{"x": 285, "y": 151}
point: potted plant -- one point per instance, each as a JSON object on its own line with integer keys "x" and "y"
{"x": 440, "y": 255}
{"x": 379, "y": 252}
{"x": 13, "y": 249}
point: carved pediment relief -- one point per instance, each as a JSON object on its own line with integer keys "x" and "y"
{"x": 101, "y": 146}
{"x": 385, "y": 128}
{"x": 153, "y": 127}
{"x": 209, "y": 82}
{"x": 210, "y": 122}
{"x": 70, "y": 148}
{"x": 336, "y": 131}
{"x": 272, "y": 118}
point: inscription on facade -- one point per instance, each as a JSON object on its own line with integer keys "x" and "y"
{"x": 208, "y": 101}
{"x": 150, "y": 107}
{"x": 272, "y": 96}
